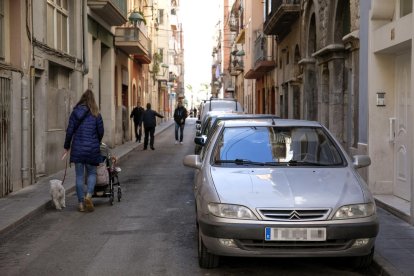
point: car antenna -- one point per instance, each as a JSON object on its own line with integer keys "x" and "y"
{"x": 273, "y": 122}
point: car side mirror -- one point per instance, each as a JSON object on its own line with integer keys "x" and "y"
{"x": 192, "y": 161}
{"x": 200, "y": 140}
{"x": 360, "y": 161}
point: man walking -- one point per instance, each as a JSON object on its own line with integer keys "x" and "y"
{"x": 180, "y": 114}
{"x": 136, "y": 114}
{"x": 149, "y": 125}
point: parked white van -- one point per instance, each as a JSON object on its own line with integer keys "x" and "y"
{"x": 216, "y": 104}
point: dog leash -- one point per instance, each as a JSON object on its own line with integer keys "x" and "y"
{"x": 66, "y": 167}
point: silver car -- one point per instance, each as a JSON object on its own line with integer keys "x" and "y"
{"x": 280, "y": 188}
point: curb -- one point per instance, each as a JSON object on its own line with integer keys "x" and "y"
{"x": 381, "y": 266}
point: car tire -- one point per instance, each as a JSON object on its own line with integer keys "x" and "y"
{"x": 205, "y": 258}
{"x": 363, "y": 262}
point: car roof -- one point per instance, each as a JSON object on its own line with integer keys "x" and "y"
{"x": 206, "y": 102}
{"x": 222, "y": 103}
{"x": 269, "y": 122}
{"x": 224, "y": 113}
{"x": 240, "y": 116}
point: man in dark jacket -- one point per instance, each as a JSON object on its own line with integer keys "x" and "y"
{"x": 180, "y": 114}
{"x": 136, "y": 114}
{"x": 150, "y": 122}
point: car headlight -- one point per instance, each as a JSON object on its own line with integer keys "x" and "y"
{"x": 230, "y": 211}
{"x": 355, "y": 211}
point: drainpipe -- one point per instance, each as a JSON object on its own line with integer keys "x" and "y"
{"x": 85, "y": 38}
{"x": 27, "y": 115}
{"x": 32, "y": 115}
{"x": 25, "y": 131}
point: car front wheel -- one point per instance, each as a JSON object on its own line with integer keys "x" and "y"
{"x": 205, "y": 258}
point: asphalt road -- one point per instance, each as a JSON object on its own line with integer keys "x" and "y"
{"x": 150, "y": 232}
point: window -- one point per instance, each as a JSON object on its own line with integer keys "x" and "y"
{"x": 161, "y": 16}
{"x": 287, "y": 57}
{"x": 58, "y": 24}
{"x": 57, "y": 97}
{"x": 406, "y": 7}
{"x": 269, "y": 6}
{"x": 2, "y": 30}
{"x": 161, "y": 53}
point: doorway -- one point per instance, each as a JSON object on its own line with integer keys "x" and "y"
{"x": 402, "y": 172}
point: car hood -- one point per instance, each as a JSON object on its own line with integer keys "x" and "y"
{"x": 287, "y": 187}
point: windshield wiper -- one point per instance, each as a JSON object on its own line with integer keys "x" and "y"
{"x": 271, "y": 163}
{"x": 249, "y": 162}
{"x": 305, "y": 163}
{"x": 241, "y": 162}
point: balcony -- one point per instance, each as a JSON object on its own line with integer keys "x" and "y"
{"x": 238, "y": 65}
{"x": 283, "y": 14}
{"x": 263, "y": 61}
{"x": 133, "y": 41}
{"x": 113, "y": 12}
{"x": 236, "y": 68}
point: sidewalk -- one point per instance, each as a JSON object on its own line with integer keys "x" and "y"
{"x": 24, "y": 204}
{"x": 394, "y": 252}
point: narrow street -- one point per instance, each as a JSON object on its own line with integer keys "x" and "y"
{"x": 150, "y": 232}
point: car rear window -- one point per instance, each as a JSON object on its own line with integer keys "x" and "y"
{"x": 276, "y": 146}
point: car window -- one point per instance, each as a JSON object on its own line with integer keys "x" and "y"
{"x": 220, "y": 105}
{"x": 293, "y": 146}
{"x": 206, "y": 126}
{"x": 208, "y": 144}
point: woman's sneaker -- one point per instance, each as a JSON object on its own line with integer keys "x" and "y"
{"x": 81, "y": 207}
{"x": 89, "y": 204}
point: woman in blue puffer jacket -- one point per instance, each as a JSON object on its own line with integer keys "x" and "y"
{"x": 83, "y": 137}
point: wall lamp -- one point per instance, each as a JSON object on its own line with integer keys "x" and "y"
{"x": 136, "y": 18}
{"x": 164, "y": 68}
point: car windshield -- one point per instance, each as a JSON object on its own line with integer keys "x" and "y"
{"x": 276, "y": 146}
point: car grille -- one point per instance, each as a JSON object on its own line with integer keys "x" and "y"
{"x": 294, "y": 214}
{"x": 279, "y": 246}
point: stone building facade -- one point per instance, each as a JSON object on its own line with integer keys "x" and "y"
{"x": 346, "y": 64}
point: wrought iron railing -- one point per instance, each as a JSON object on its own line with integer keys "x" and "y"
{"x": 260, "y": 49}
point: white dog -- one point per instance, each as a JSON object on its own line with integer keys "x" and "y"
{"x": 57, "y": 191}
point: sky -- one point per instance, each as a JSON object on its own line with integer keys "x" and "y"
{"x": 199, "y": 18}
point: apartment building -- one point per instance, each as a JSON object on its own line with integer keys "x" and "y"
{"x": 51, "y": 51}
{"x": 389, "y": 81}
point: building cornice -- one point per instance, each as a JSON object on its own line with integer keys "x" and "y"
{"x": 351, "y": 41}
{"x": 328, "y": 50}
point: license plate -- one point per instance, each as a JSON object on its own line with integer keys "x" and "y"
{"x": 295, "y": 234}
